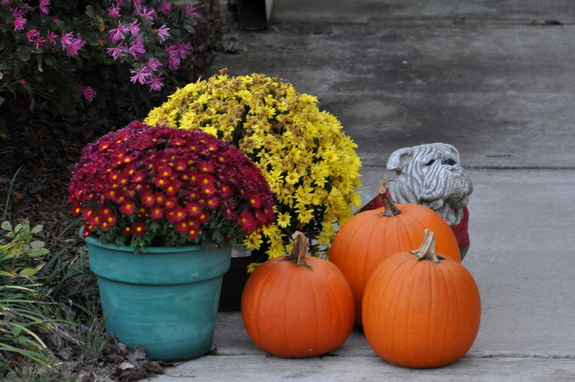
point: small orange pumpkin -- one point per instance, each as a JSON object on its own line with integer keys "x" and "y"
{"x": 297, "y": 305}
{"x": 371, "y": 236}
{"x": 421, "y": 310}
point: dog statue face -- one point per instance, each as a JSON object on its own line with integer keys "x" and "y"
{"x": 430, "y": 175}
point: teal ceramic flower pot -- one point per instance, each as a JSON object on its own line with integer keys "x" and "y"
{"x": 165, "y": 299}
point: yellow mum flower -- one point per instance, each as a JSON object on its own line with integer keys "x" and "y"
{"x": 284, "y": 220}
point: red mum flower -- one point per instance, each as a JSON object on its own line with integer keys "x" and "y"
{"x": 172, "y": 187}
{"x": 148, "y": 198}
{"x": 247, "y": 222}
{"x": 110, "y": 220}
{"x": 206, "y": 166}
{"x": 203, "y": 217}
{"x": 142, "y": 213}
{"x": 255, "y": 200}
{"x": 170, "y": 202}
{"x": 193, "y": 231}
{"x": 112, "y": 194}
{"x": 225, "y": 190}
{"x": 175, "y": 214}
{"x": 177, "y": 141}
{"x": 160, "y": 198}
{"x": 181, "y": 227}
{"x": 180, "y": 165}
{"x": 212, "y": 202}
{"x": 139, "y": 229}
{"x": 156, "y": 212}
{"x": 128, "y": 208}
{"x": 161, "y": 181}
{"x": 88, "y": 212}
{"x": 87, "y": 229}
{"x": 138, "y": 176}
{"x": 208, "y": 190}
{"x": 77, "y": 209}
{"x": 127, "y": 231}
{"x": 193, "y": 209}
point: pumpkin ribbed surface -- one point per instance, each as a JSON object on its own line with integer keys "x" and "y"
{"x": 294, "y": 310}
{"x": 420, "y": 313}
{"x": 369, "y": 237}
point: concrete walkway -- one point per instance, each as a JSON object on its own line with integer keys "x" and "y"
{"x": 497, "y": 80}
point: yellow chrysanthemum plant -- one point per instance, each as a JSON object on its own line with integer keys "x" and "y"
{"x": 310, "y": 164}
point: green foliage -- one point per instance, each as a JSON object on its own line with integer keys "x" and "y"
{"x": 60, "y": 51}
{"x": 20, "y": 316}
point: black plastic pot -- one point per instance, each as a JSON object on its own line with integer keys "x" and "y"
{"x": 253, "y": 14}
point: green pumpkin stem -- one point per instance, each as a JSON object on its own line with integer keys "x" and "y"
{"x": 299, "y": 251}
{"x": 427, "y": 249}
{"x": 390, "y": 208}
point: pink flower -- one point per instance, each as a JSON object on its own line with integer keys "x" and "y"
{"x": 190, "y": 10}
{"x": 134, "y": 28}
{"x": 162, "y": 33}
{"x": 166, "y": 7}
{"x": 137, "y": 49}
{"x": 19, "y": 20}
{"x": 52, "y": 37}
{"x": 118, "y": 52}
{"x": 183, "y": 50}
{"x": 35, "y": 38}
{"x": 140, "y": 75}
{"x": 177, "y": 52}
{"x": 146, "y": 13}
{"x": 44, "y": 4}
{"x": 153, "y": 64}
{"x": 89, "y": 93}
{"x": 156, "y": 83}
{"x": 70, "y": 44}
{"x": 118, "y": 33}
{"x": 114, "y": 12}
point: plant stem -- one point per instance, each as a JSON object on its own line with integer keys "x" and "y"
{"x": 427, "y": 249}
{"x": 299, "y": 251}
{"x": 390, "y": 208}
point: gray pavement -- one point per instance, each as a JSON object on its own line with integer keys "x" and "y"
{"x": 494, "y": 78}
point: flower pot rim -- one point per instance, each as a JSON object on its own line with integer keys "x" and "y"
{"x": 147, "y": 250}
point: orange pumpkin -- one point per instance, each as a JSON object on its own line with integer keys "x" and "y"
{"x": 371, "y": 236}
{"x": 297, "y": 305}
{"x": 421, "y": 310}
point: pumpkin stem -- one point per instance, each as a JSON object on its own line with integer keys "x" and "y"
{"x": 299, "y": 251}
{"x": 390, "y": 208}
{"x": 427, "y": 249}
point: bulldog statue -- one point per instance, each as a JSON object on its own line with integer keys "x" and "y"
{"x": 430, "y": 175}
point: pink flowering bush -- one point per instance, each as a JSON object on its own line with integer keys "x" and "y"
{"x": 148, "y": 186}
{"x": 74, "y": 53}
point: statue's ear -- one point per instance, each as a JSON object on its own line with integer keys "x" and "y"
{"x": 399, "y": 158}
{"x": 454, "y": 152}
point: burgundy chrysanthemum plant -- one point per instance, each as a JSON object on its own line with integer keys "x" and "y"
{"x": 146, "y": 186}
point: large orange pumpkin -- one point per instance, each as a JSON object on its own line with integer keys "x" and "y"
{"x": 371, "y": 236}
{"x": 421, "y": 310}
{"x": 297, "y": 305}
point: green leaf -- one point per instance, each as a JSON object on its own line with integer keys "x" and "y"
{"x": 24, "y": 55}
{"x": 37, "y": 229}
{"x": 16, "y": 330}
{"x": 66, "y": 65}
{"x": 90, "y": 11}
{"x": 37, "y": 252}
{"x": 29, "y": 272}
{"x": 37, "y": 244}
{"x": 7, "y": 226}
